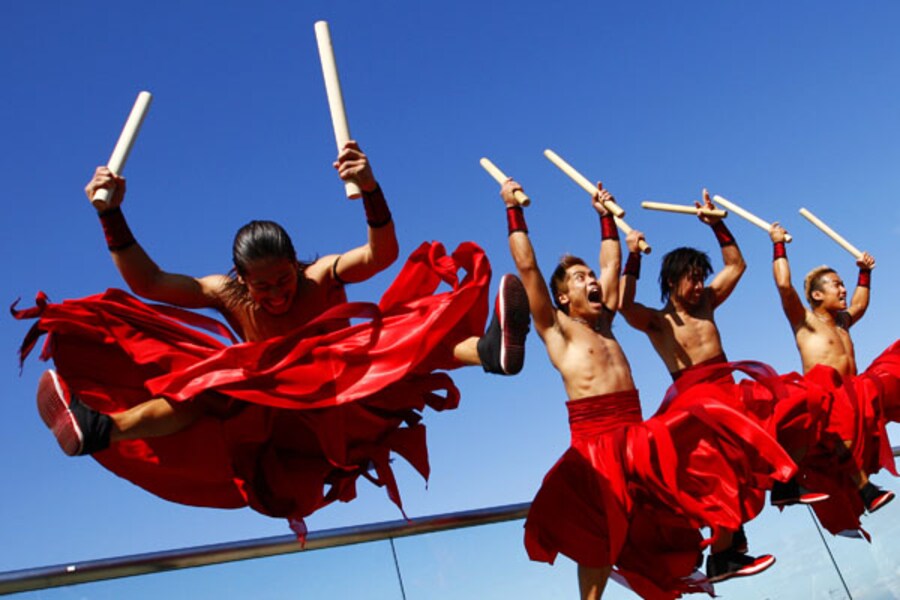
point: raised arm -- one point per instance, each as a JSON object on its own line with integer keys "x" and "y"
{"x": 860, "y": 301}
{"x": 543, "y": 311}
{"x": 610, "y": 250}
{"x": 140, "y": 273}
{"x": 636, "y": 314}
{"x": 727, "y": 279}
{"x": 790, "y": 300}
{"x": 381, "y": 248}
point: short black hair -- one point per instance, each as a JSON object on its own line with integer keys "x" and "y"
{"x": 558, "y": 279}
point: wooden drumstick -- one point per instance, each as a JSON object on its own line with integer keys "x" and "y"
{"x": 747, "y": 215}
{"x": 642, "y": 244}
{"x": 832, "y": 234}
{"x": 581, "y": 180}
{"x": 126, "y": 140}
{"x": 501, "y": 178}
{"x": 335, "y": 96}
{"x": 684, "y": 209}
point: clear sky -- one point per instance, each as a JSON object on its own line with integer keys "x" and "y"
{"x": 773, "y": 105}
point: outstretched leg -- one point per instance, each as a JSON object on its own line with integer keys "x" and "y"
{"x": 501, "y": 349}
{"x": 80, "y": 429}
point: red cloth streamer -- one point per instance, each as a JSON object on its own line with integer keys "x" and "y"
{"x": 308, "y": 414}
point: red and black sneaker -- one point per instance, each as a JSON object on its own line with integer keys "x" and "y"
{"x": 874, "y": 497}
{"x": 78, "y": 429}
{"x": 53, "y": 403}
{"x": 502, "y": 348}
{"x": 725, "y": 565}
{"x": 791, "y": 492}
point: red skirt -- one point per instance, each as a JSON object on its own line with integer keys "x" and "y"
{"x": 633, "y": 494}
{"x": 812, "y": 416}
{"x": 304, "y": 416}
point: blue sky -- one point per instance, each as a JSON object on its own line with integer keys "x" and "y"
{"x": 773, "y": 105}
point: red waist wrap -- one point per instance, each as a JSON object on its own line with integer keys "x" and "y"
{"x": 315, "y": 411}
{"x": 633, "y": 494}
{"x": 596, "y": 415}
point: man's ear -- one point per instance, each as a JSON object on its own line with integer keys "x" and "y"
{"x": 562, "y": 300}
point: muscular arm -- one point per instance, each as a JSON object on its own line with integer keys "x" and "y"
{"x": 381, "y": 248}
{"x": 610, "y": 251}
{"x": 790, "y": 300}
{"x": 540, "y": 303}
{"x": 860, "y": 300}
{"x": 142, "y": 275}
{"x": 636, "y": 314}
{"x": 727, "y": 279}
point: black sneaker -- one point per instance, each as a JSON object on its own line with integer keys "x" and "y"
{"x": 874, "y": 497}
{"x": 791, "y": 492}
{"x": 725, "y": 565}
{"x": 739, "y": 541}
{"x": 502, "y": 348}
{"x": 78, "y": 429}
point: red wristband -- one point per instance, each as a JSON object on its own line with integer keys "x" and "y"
{"x": 515, "y": 219}
{"x": 723, "y": 236}
{"x": 377, "y": 212}
{"x": 115, "y": 229}
{"x": 608, "y": 229}
{"x": 865, "y": 278}
{"x": 633, "y": 265}
{"x": 779, "y": 251}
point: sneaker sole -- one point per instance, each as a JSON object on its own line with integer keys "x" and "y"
{"x": 747, "y": 571}
{"x": 54, "y": 410}
{"x": 884, "y": 499}
{"x": 810, "y": 498}
{"x": 512, "y": 308}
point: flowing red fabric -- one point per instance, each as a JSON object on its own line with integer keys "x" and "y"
{"x": 294, "y": 420}
{"x": 812, "y": 416}
{"x": 633, "y": 494}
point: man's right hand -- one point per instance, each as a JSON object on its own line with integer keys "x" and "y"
{"x": 600, "y": 197}
{"x": 106, "y": 179}
{"x": 633, "y": 240}
{"x": 507, "y": 192}
{"x": 777, "y": 233}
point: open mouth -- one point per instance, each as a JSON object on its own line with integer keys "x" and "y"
{"x": 594, "y": 296}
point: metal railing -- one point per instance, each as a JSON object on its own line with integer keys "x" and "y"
{"x": 157, "y": 562}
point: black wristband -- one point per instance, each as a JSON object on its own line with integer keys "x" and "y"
{"x": 377, "y": 212}
{"x": 115, "y": 229}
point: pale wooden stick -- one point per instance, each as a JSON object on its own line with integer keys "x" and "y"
{"x": 683, "y": 209}
{"x": 747, "y": 215}
{"x": 581, "y": 180}
{"x": 642, "y": 244}
{"x": 335, "y": 96}
{"x": 832, "y": 234}
{"x": 120, "y": 153}
{"x": 501, "y": 178}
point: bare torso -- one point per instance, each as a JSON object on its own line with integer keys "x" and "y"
{"x": 685, "y": 337}
{"x": 826, "y": 341}
{"x": 591, "y": 362}
{"x": 316, "y": 293}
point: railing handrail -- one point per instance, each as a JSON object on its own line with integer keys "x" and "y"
{"x": 197, "y": 556}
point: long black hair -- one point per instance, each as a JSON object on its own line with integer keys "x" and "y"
{"x": 678, "y": 263}
{"x": 259, "y": 240}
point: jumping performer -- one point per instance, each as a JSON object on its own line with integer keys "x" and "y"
{"x": 619, "y": 501}
{"x": 306, "y": 395}
{"x": 862, "y": 403}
